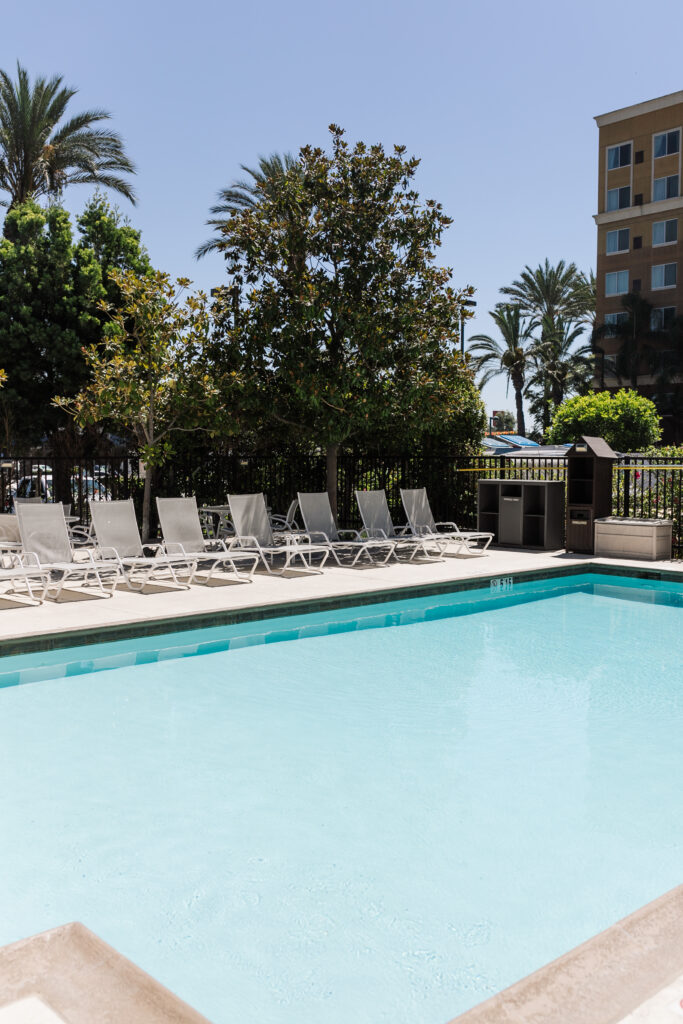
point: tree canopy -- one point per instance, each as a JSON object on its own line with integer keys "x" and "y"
{"x": 343, "y": 323}
{"x": 151, "y": 377}
{"x": 51, "y": 287}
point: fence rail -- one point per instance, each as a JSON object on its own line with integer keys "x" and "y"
{"x": 642, "y": 487}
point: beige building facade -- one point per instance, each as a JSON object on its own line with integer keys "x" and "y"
{"x": 640, "y": 235}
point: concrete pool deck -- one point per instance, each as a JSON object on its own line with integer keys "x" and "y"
{"x": 630, "y": 974}
{"x": 79, "y": 612}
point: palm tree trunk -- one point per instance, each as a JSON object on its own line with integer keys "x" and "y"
{"x": 521, "y": 426}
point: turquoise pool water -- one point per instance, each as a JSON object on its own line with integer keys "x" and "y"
{"x": 364, "y": 824}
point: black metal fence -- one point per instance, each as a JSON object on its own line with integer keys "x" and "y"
{"x": 59, "y": 478}
{"x": 650, "y": 488}
{"x": 643, "y": 487}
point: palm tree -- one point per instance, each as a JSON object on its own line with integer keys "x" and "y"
{"x": 513, "y": 357}
{"x": 244, "y": 194}
{"x": 554, "y": 296}
{"x": 563, "y": 369}
{"x": 585, "y": 294}
{"x": 40, "y": 154}
{"x": 551, "y": 292}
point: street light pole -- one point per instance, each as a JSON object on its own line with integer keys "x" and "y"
{"x": 465, "y": 302}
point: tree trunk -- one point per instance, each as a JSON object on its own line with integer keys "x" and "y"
{"x": 146, "y": 504}
{"x": 521, "y": 426}
{"x": 332, "y": 451}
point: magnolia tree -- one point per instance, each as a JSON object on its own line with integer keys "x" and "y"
{"x": 341, "y": 322}
{"x": 151, "y": 375}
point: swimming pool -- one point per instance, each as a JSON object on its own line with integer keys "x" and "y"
{"x": 368, "y": 824}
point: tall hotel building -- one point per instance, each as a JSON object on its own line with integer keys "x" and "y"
{"x": 640, "y": 210}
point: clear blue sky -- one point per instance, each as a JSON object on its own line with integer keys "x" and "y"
{"x": 497, "y": 99}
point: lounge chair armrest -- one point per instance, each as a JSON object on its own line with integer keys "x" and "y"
{"x": 451, "y": 526}
{"x": 245, "y": 540}
{"x": 80, "y": 535}
{"x": 296, "y": 537}
{"x": 156, "y": 547}
{"x": 402, "y": 531}
{"x": 353, "y": 534}
{"x": 27, "y": 559}
{"x": 318, "y": 537}
{"x": 376, "y": 534}
{"x": 215, "y": 544}
{"x": 82, "y": 554}
{"x": 174, "y": 547}
{"x": 107, "y": 554}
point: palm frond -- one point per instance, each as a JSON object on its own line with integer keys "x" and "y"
{"x": 245, "y": 193}
{"x": 40, "y": 153}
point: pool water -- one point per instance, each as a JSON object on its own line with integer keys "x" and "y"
{"x": 365, "y": 824}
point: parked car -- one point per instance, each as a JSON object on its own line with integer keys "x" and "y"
{"x": 38, "y": 486}
{"x": 42, "y": 486}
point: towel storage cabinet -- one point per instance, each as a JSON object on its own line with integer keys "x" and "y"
{"x": 522, "y": 513}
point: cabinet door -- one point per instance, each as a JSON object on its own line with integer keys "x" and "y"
{"x": 580, "y": 530}
{"x": 510, "y": 525}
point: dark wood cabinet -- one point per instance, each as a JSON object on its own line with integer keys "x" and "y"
{"x": 522, "y": 513}
{"x": 589, "y": 491}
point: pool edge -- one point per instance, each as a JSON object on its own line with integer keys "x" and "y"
{"x": 83, "y": 980}
{"x": 601, "y": 981}
{"x": 77, "y": 636}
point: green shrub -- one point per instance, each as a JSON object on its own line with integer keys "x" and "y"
{"x": 627, "y": 421}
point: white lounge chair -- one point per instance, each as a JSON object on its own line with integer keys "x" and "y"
{"x": 253, "y": 532}
{"x": 46, "y": 545}
{"x": 182, "y": 532}
{"x": 286, "y": 523}
{"x": 116, "y": 529}
{"x": 15, "y": 568}
{"x": 378, "y": 524}
{"x": 421, "y": 521}
{"x": 319, "y": 524}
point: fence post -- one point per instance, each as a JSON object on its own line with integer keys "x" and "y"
{"x": 503, "y": 464}
{"x": 627, "y": 487}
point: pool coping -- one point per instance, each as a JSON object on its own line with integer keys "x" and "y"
{"x": 177, "y": 623}
{"x": 601, "y": 981}
{"x": 83, "y": 980}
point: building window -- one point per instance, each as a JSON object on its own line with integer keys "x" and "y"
{"x": 618, "y": 198}
{"x": 665, "y": 188}
{"x": 617, "y": 283}
{"x": 662, "y": 318}
{"x": 618, "y": 241}
{"x": 667, "y": 143}
{"x": 620, "y": 156}
{"x": 664, "y": 232}
{"x": 609, "y": 366}
{"x": 613, "y": 320}
{"x": 663, "y": 276}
